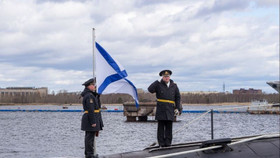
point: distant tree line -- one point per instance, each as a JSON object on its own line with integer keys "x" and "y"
{"x": 64, "y": 97}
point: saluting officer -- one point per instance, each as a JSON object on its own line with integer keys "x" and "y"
{"x": 168, "y": 104}
{"x": 91, "y": 121}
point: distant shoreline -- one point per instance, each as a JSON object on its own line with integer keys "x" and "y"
{"x": 222, "y": 104}
{"x": 200, "y": 104}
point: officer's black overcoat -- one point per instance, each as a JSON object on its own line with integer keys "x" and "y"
{"x": 91, "y": 102}
{"x": 165, "y": 111}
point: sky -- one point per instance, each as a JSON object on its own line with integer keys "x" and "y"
{"x": 205, "y": 43}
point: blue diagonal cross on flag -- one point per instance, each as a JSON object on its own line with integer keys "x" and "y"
{"x": 111, "y": 76}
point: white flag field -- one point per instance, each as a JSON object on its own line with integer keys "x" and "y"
{"x": 111, "y": 76}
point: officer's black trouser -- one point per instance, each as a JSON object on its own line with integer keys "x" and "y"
{"x": 89, "y": 144}
{"x": 164, "y": 133}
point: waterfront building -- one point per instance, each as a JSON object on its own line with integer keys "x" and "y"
{"x": 247, "y": 91}
{"x": 140, "y": 90}
{"x": 23, "y": 91}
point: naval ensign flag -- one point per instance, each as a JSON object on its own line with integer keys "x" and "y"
{"x": 111, "y": 76}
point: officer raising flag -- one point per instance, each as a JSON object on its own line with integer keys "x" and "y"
{"x": 92, "y": 120}
{"x": 108, "y": 77}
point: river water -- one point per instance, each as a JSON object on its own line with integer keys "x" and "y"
{"x": 58, "y": 134}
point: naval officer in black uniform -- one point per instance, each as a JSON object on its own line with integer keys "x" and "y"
{"x": 168, "y": 105}
{"x": 91, "y": 121}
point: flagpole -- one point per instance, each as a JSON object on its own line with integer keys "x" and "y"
{"x": 93, "y": 40}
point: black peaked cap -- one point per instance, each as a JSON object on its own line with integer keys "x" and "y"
{"x": 88, "y": 82}
{"x": 165, "y": 72}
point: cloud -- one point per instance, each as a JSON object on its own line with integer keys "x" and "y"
{"x": 54, "y": 79}
{"x": 268, "y": 3}
{"x": 52, "y": 27}
{"x": 204, "y": 43}
{"x": 219, "y": 6}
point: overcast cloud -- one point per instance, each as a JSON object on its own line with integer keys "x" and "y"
{"x": 205, "y": 43}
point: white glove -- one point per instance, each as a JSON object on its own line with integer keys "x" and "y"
{"x": 176, "y": 112}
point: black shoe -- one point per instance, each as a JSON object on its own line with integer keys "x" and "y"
{"x": 89, "y": 156}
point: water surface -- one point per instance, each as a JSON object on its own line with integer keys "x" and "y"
{"x": 58, "y": 134}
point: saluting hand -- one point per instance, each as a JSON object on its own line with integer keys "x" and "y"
{"x": 93, "y": 125}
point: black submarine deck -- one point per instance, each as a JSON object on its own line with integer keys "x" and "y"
{"x": 260, "y": 146}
